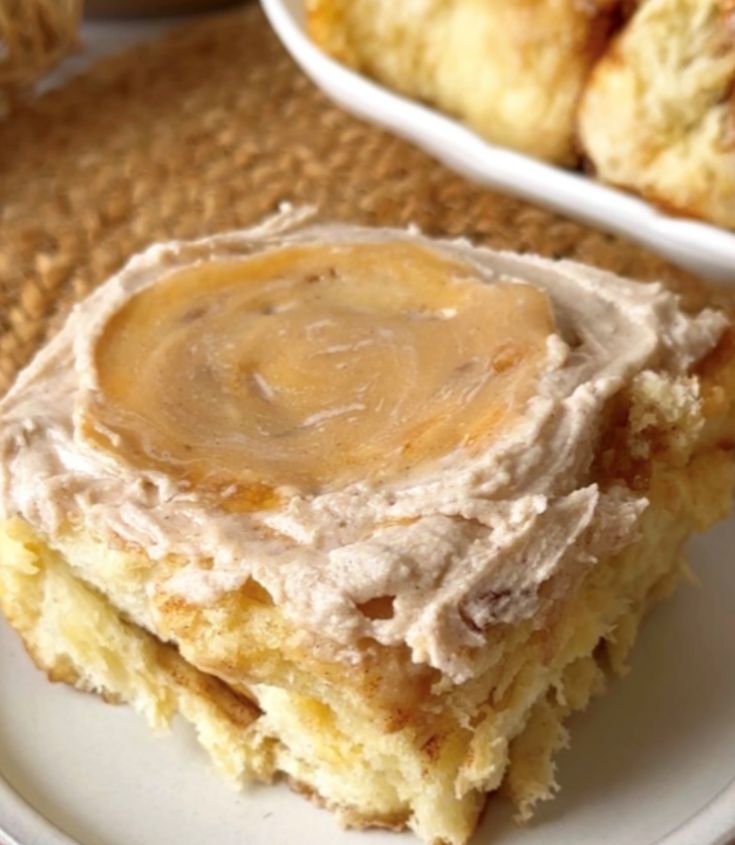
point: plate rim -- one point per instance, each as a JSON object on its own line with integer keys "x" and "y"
{"x": 705, "y": 248}
{"x": 22, "y": 824}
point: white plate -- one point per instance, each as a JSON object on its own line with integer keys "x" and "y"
{"x": 651, "y": 763}
{"x": 704, "y": 249}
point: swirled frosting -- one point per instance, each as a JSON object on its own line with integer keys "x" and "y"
{"x": 393, "y": 435}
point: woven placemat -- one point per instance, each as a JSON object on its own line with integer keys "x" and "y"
{"x": 209, "y": 129}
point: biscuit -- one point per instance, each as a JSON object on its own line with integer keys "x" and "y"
{"x": 658, "y": 114}
{"x": 513, "y": 71}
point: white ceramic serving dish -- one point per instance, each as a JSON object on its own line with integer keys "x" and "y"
{"x": 706, "y": 250}
{"x": 651, "y": 763}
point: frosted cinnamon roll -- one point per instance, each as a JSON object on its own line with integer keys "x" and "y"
{"x": 374, "y": 511}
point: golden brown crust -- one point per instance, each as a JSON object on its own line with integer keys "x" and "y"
{"x": 61, "y": 671}
{"x": 349, "y": 816}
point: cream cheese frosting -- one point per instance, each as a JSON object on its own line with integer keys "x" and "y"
{"x": 459, "y": 542}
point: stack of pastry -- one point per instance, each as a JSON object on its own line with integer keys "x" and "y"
{"x": 374, "y": 512}
{"x": 640, "y": 89}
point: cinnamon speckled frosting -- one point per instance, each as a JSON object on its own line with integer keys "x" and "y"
{"x": 393, "y": 435}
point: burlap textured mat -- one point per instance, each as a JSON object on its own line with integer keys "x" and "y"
{"x": 207, "y": 130}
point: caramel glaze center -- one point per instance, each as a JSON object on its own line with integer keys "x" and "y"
{"x": 312, "y": 367}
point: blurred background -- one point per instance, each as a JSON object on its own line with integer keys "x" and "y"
{"x": 43, "y": 42}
